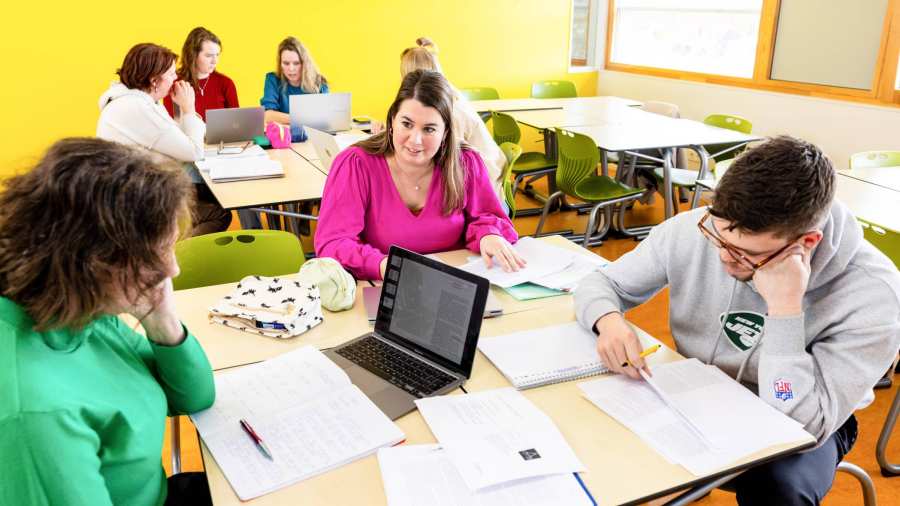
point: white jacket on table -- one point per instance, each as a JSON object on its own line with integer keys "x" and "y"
{"x": 132, "y": 116}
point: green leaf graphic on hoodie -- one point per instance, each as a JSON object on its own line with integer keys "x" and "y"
{"x": 743, "y": 328}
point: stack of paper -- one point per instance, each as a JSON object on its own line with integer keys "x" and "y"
{"x": 694, "y": 415}
{"x": 548, "y": 266}
{"x": 423, "y": 474}
{"x": 251, "y": 163}
{"x": 304, "y": 408}
{"x": 498, "y": 437}
{"x": 546, "y": 355}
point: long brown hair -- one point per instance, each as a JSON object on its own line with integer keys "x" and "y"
{"x": 310, "y": 78}
{"x": 432, "y": 90}
{"x": 93, "y": 214}
{"x": 144, "y": 63}
{"x": 189, "y": 51}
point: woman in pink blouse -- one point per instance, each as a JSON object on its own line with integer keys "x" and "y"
{"x": 414, "y": 185}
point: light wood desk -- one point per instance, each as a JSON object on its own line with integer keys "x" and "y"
{"x": 632, "y": 130}
{"x": 871, "y": 202}
{"x": 621, "y": 468}
{"x": 526, "y": 104}
{"x": 301, "y": 181}
{"x": 887, "y": 177}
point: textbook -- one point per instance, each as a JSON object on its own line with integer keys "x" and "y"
{"x": 543, "y": 356}
{"x": 304, "y": 409}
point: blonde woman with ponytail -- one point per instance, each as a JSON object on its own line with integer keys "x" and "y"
{"x": 470, "y": 127}
{"x": 416, "y": 184}
{"x": 295, "y": 74}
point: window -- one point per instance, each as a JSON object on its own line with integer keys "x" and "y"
{"x": 583, "y": 29}
{"x": 708, "y": 36}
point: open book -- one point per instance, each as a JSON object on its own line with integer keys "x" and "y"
{"x": 695, "y": 415}
{"x": 545, "y": 355}
{"x": 305, "y": 409}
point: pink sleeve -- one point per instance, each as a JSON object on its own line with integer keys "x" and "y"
{"x": 484, "y": 215}
{"x": 342, "y": 217}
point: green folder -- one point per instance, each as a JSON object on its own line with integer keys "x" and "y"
{"x": 528, "y": 291}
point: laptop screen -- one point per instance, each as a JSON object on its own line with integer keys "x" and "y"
{"x": 432, "y": 308}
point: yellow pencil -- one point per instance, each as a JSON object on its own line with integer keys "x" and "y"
{"x": 644, "y": 353}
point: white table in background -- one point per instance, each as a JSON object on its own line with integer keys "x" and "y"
{"x": 872, "y": 202}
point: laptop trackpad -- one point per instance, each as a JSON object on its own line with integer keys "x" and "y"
{"x": 393, "y": 401}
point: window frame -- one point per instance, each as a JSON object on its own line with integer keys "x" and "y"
{"x": 882, "y": 92}
{"x": 589, "y": 36}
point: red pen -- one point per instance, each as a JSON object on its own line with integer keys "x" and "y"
{"x": 256, "y": 439}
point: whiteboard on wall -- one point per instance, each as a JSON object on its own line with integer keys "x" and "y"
{"x": 830, "y": 42}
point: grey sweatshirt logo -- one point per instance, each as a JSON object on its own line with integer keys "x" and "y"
{"x": 743, "y": 328}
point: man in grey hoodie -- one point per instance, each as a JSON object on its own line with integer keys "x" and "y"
{"x": 773, "y": 284}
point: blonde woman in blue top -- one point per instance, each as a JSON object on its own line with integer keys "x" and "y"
{"x": 296, "y": 74}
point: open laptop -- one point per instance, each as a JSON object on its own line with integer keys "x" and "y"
{"x": 329, "y": 112}
{"x": 427, "y": 327}
{"x": 234, "y": 125}
{"x": 328, "y": 146}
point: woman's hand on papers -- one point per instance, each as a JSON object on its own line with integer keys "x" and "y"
{"x": 497, "y": 250}
{"x": 617, "y": 344}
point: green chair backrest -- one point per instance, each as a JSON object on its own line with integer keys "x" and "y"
{"x": 553, "y": 89}
{"x": 226, "y": 257}
{"x": 886, "y": 240}
{"x": 505, "y": 128}
{"x": 731, "y": 122}
{"x": 578, "y": 158}
{"x": 874, "y": 159}
{"x": 512, "y": 152}
{"x": 480, "y": 93}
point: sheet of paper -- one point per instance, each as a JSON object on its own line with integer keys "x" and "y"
{"x": 258, "y": 389}
{"x": 250, "y": 151}
{"x": 542, "y": 259}
{"x": 305, "y": 440}
{"x": 735, "y": 422}
{"x": 485, "y": 433}
{"x": 568, "y": 278}
{"x": 423, "y": 474}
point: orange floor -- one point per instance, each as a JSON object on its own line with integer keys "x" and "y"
{"x": 652, "y": 317}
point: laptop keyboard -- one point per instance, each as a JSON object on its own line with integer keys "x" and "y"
{"x": 396, "y": 367}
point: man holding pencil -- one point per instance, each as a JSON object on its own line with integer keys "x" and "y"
{"x": 773, "y": 284}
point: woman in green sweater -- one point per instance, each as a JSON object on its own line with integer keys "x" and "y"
{"x": 86, "y": 235}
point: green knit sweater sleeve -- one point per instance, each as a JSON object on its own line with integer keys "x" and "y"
{"x": 182, "y": 371}
{"x": 56, "y": 461}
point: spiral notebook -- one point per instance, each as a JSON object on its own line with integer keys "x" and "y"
{"x": 543, "y": 356}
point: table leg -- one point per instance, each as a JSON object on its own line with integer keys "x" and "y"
{"x": 887, "y": 468}
{"x": 667, "y": 181}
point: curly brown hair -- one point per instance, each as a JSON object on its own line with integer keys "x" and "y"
{"x": 92, "y": 214}
{"x": 783, "y": 186}
{"x": 144, "y": 63}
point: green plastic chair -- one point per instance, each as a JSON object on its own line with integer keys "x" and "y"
{"x": 512, "y": 152}
{"x": 532, "y": 164}
{"x": 886, "y": 240}
{"x": 576, "y": 176}
{"x": 553, "y": 89}
{"x": 480, "y": 93}
{"x": 226, "y": 257}
{"x": 874, "y": 159}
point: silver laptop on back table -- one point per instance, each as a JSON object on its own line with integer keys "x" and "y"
{"x": 329, "y": 112}
{"x": 234, "y": 125}
{"x": 426, "y": 331}
{"x": 328, "y": 146}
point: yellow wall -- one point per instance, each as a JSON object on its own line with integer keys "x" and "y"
{"x": 59, "y": 57}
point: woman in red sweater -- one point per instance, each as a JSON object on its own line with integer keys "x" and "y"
{"x": 199, "y": 57}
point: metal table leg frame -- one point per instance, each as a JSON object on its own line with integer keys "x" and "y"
{"x": 699, "y": 491}
{"x": 887, "y": 468}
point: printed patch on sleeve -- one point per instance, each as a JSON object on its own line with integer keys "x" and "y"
{"x": 783, "y": 389}
{"x": 743, "y": 328}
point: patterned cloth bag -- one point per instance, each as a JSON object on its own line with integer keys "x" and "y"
{"x": 273, "y": 307}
